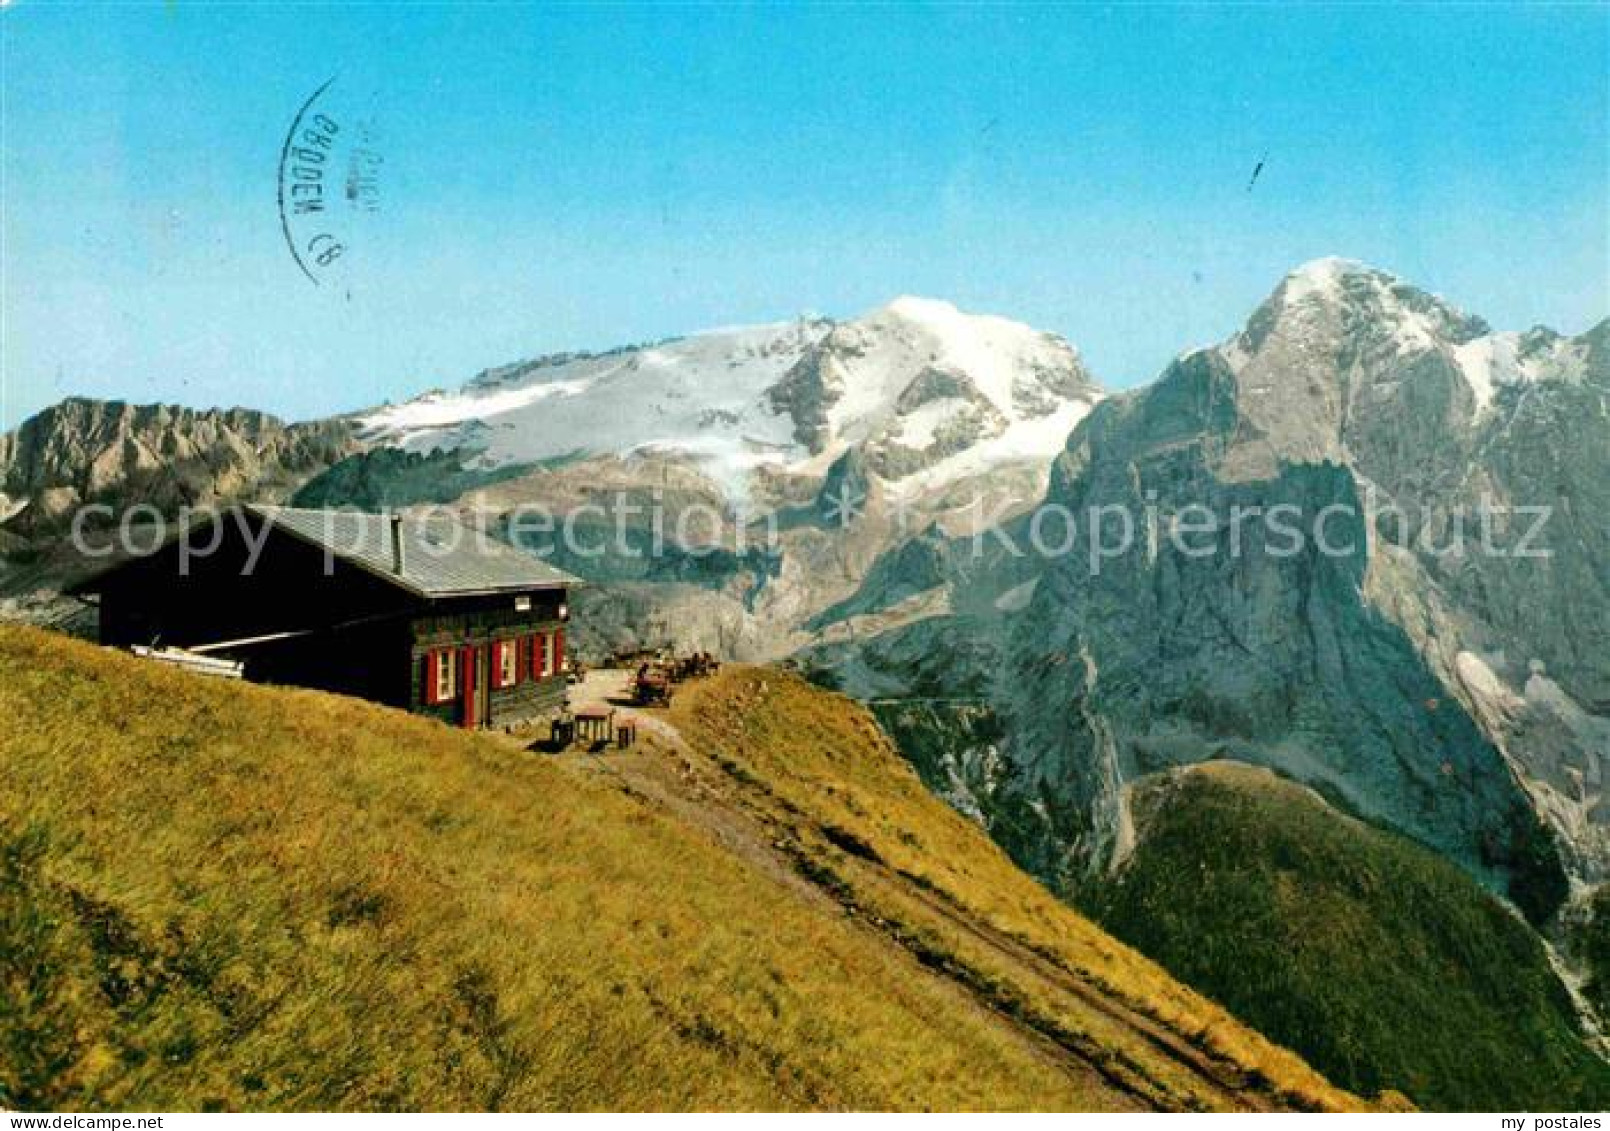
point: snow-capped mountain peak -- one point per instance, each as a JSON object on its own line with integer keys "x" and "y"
{"x": 1331, "y": 309}
{"x": 1322, "y": 277}
{"x": 917, "y": 382}
{"x": 1338, "y": 315}
{"x": 1000, "y": 357}
{"x": 1347, "y": 294}
{"x": 1341, "y": 349}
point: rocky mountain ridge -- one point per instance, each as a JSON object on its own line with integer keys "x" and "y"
{"x": 1460, "y": 697}
{"x": 1451, "y": 690}
{"x": 83, "y": 451}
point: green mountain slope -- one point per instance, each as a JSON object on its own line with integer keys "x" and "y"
{"x": 1383, "y": 964}
{"x": 216, "y": 895}
{"x": 1590, "y": 939}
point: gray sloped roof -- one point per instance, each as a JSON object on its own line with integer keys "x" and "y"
{"x": 441, "y": 556}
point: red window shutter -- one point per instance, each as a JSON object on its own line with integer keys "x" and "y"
{"x": 518, "y": 644}
{"x": 432, "y": 659}
{"x": 559, "y": 651}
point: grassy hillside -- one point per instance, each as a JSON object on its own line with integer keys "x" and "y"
{"x": 832, "y": 791}
{"x": 1384, "y": 965}
{"x": 224, "y": 896}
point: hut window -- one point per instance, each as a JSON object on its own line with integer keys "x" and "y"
{"x": 548, "y": 663}
{"x": 443, "y": 677}
{"x": 508, "y": 663}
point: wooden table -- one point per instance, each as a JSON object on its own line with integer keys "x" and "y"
{"x": 594, "y": 724}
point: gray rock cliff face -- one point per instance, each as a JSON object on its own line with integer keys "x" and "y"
{"x": 1423, "y": 666}
{"x": 157, "y": 458}
{"x": 1486, "y": 460}
{"x": 86, "y": 451}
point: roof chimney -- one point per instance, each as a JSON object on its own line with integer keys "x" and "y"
{"x": 396, "y": 544}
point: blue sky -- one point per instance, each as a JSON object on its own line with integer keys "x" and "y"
{"x": 587, "y": 175}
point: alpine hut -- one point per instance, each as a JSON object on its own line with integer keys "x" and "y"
{"x": 423, "y": 613}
